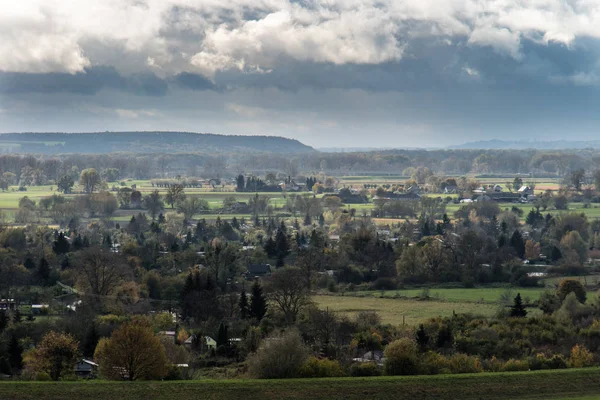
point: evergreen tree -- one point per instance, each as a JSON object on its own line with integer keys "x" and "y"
{"x": 282, "y": 242}
{"x": 258, "y": 302}
{"x": 422, "y": 338}
{"x": 61, "y": 244}
{"x": 555, "y": 254}
{"x": 235, "y": 223}
{"x": 4, "y": 320}
{"x": 222, "y": 338}
{"x": 518, "y": 243}
{"x": 15, "y": 353}
{"x": 240, "y": 183}
{"x": 321, "y": 220}
{"x": 307, "y": 220}
{"x": 91, "y": 341}
{"x": 29, "y": 264}
{"x": 43, "y": 272}
{"x": 244, "y": 306}
{"x": 517, "y": 310}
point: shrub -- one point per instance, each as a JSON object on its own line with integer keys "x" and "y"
{"x": 515, "y": 365}
{"x": 541, "y": 361}
{"x": 321, "y": 368}
{"x": 365, "y": 369}
{"x": 492, "y": 365}
{"x": 567, "y": 286}
{"x": 462, "y": 364}
{"x": 433, "y": 363}
{"x": 279, "y": 356}
{"x": 384, "y": 284}
{"x": 401, "y": 357}
{"x": 580, "y": 357}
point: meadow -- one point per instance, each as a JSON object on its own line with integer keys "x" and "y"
{"x": 570, "y": 384}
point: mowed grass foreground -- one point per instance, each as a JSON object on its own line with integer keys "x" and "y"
{"x": 559, "y": 384}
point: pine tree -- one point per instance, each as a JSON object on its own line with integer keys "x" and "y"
{"x": 91, "y": 341}
{"x": 517, "y": 309}
{"x": 244, "y": 306}
{"x": 43, "y": 272}
{"x": 258, "y": 302}
{"x": 4, "y": 320}
{"x": 422, "y": 338}
{"x": 15, "y": 353}
{"x": 222, "y": 339}
{"x": 518, "y": 243}
{"x": 61, "y": 244}
{"x": 307, "y": 220}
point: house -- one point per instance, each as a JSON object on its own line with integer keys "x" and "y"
{"x": 206, "y": 343}
{"x": 256, "y": 270}
{"x": 525, "y": 190}
{"x": 497, "y": 188}
{"x": 86, "y": 369}
{"x": 371, "y": 356}
{"x": 450, "y": 189}
{"x": 39, "y": 308}
{"x": 8, "y": 304}
{"x": 414, "y": 189}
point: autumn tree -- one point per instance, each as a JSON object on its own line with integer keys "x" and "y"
{"x": 100, "y": 272}
{"x": 55, "y": 355}
{"x": 153, "y": 203}
{"x": 191, "y": 206}
{"x": 567, "y": 286}
{"x": 65, "y": 184}
{"x": 133, "y": 352}
{"x": 532, "y": 250}
{"x": 175, "y": 194}
{"x": 89, "y": 179}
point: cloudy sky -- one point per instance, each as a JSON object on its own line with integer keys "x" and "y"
{"x": 343, "y": 73}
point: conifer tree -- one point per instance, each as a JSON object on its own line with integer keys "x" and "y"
{"x": 258, "y": 302}
{"x": 244, "y": 306}
{"x": 517, "y": 309}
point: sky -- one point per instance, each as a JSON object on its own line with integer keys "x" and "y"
{"x": 331, "y": 73}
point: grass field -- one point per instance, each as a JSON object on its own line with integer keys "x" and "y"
{"x": 398, "y": 311}
{"x": 574, "y": 384}
{"x": 477, "y": 295}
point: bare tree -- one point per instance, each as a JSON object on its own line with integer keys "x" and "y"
{"x": 288, "y": 292}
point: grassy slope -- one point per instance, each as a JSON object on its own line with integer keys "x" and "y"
{"x": 561, "y": 384}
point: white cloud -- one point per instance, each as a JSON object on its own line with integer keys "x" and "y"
{"x": 171, "y": 36}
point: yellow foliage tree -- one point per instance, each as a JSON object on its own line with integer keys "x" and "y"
{"x": 55, "y": 355}
{"x": 132, "y": 353}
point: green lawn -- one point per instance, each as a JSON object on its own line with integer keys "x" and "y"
{"x": 398, "y": 311}
{"x": 554, "y": 385}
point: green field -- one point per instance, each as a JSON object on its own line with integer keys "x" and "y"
{"x": 477, "y": 295}
{"x": 555, "y": 385}
{"x": 398, "y": 311}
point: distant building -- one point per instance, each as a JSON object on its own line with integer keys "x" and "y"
{"x": 258, "y": 270}
{"x": 86, "y": 369}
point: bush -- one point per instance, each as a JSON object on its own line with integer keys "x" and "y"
{"x": 401, "y": 357}
{"x": 279, "y": 356}
{"x": 580, "y": 357}
{"x": 321, "y": 368}
{"x": 541, "y": 361}
{"x": 433, "y": 363}
{"x": 365, "y": 369}
{"x": 515, "y": 365}
{"x": 462, "y": 364}
{"x": 384, "y": 284}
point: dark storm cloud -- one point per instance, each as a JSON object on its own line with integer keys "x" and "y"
{"x": 89, "y": 82}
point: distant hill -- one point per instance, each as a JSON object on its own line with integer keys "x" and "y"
{"x": 145, "y": 142}
{"x": 530, "y": 144}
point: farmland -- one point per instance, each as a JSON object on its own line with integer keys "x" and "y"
{"x": 9, "y": 200}
{"x": 570, "y": 384}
